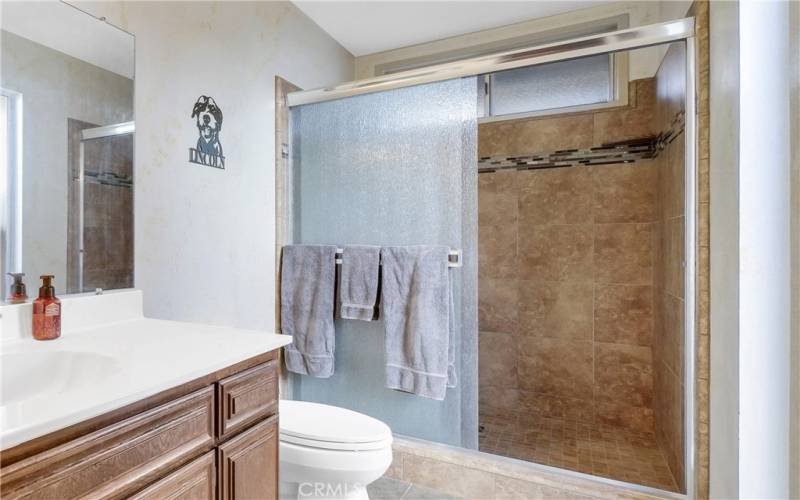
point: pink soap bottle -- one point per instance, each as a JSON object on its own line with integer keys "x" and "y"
{"x": 47, "y": 312}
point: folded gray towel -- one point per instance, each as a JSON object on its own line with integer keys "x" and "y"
{"x": 308, "y": 275}
{"x": 358, "y": 286}
{"x": 417, "y": 310}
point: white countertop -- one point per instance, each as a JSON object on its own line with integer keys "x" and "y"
{"x": 111, "y": 365}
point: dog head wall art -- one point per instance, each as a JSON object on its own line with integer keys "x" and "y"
{"x": 208, "y": 118}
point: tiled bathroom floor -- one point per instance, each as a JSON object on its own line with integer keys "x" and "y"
{"x": 582, "y": 447}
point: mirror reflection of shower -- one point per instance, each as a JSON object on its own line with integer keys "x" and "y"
{"x": 100, "y": 245}
{"x": 76, "y": 97}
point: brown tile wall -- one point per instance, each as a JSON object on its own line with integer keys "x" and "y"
{"x": 108, "y": 213}
{"x": 567, "y": 271}
{"x": 699, "y": 10}
{"x": 577, "y": 130}
{"x": 108, "y": 216}
{"x": 668, "y": 339}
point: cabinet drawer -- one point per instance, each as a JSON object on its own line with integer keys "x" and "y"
{"x": 119, "y": 459}
{"x": 194, "y": 481}
{"x": 247, "y": 397}
{"x": 248, "y": 464}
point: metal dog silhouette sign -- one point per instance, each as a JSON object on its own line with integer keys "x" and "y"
{"x": 208, "y": 117}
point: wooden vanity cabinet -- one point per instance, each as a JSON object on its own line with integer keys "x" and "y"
{"x": 194, "y": 481}
{"x": 215, "y": 437}
{"x": 247, "y": 465}
{"x": 246, "y": 397}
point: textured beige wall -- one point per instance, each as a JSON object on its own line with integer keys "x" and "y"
{"x": 205, "y": 238}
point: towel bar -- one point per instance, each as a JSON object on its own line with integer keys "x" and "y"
{"x": 454, "y": 258}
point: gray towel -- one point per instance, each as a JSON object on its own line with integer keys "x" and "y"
{"x": 417, "y": 310}
{"x": 308, "y": 275}
{"x": 358, "y": 287}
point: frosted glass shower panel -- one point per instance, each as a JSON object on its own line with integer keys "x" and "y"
{"x": 392, "y": 168}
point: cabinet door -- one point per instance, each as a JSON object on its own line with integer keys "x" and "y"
{"x": 248, "y": 464}
{"x": 247, "y": 397}
{"x": 194, "y": 481}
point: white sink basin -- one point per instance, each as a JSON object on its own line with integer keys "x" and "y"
{"x": 108, "y": 356}
{"x": 34, "y": 374}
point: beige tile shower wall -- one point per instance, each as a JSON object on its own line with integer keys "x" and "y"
{"x": 566, "y": 272}
{"x": 668, "y": 341}
{"x": 700, "y": 11}
{"x": 108, "y": 218}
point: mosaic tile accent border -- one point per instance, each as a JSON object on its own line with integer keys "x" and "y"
{"x": 675, "y": 129}
{"x": 612, "y": 153}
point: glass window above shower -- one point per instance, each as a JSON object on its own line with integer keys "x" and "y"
{"x": 592, "y": 82}
{"x": 582, "y": 84}
{"x": 548, "y": 88}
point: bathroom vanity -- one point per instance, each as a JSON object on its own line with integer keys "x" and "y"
{"x": 137, "y": 407}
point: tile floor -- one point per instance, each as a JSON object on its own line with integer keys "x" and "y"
{"x": 583, "y": 447}
{"x": 387, "y": 488}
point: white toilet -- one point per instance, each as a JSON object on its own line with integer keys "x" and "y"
{"x": 330, "y": 452}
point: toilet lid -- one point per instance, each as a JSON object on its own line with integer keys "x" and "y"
{"x": 330, "y": 427}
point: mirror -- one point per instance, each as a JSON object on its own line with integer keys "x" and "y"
{"x": 66, "y": 148}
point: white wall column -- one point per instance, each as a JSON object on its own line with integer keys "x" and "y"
{"x": 764, "y": 246}
{"x": 750, "y": 249}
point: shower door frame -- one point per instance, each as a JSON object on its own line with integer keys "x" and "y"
{"x": 681, "y": 30}
{"x": 89, "y": 134}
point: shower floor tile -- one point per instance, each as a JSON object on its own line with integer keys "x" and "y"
{"x": 583, "y": 447}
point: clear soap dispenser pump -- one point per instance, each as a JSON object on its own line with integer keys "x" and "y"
{"x": 47, "y": 312}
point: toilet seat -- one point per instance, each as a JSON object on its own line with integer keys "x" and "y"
{"x": 320, "y": 426}
{"x": 329, "y": 445}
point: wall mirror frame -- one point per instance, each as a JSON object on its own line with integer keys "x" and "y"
{"x": 67, "y": 131}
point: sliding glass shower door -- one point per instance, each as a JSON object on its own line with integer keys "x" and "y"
{"x": 393, "y": 168}
{"x": 100, "y": 210}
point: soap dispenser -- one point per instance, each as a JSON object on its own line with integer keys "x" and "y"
{"x": 47, "y": 312}
{"x": 17, "y": 295}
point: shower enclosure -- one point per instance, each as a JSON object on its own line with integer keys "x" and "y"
{"x": 100, "y": 210}
{"x": 575, "y": 305}
{"x": 581, "y": 219}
